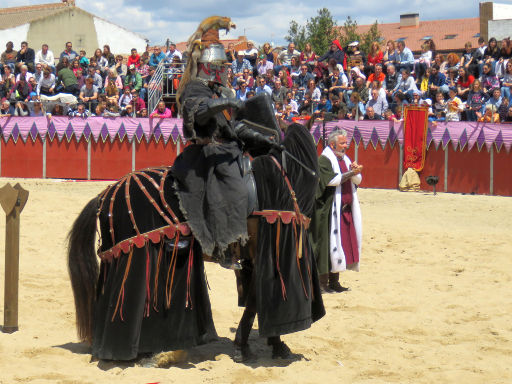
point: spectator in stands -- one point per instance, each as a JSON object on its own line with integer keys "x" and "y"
{"x": 33, "y": 89}
{"x": 37, "y": 109}
{"x": 101, "y": 62}
{"x": 8, "y": 57}
{"x": 134, "y": 59}
{"x": 338, "y": 83}
{"x": 112, "y": 89}
{"x": 156, "y": 57}
{"x": 80, "y": 78}
{"x": 464, "y": 83}
{"x": 6, "y": 109}
{"x": 8, "y": 78}
{"x": 475, "y": 102}
{"x": 337, "y": 104}
{"x": 96, "y": 78}
{"x": 248, "y": 78}
{"x": 21, "y": 109}
{"x": 442, "y": 63}
{"x": 371, "y": 115}
{"x": 407, "y": 85}
{"x": 503, "y": 109}
{"x": 495, "y": 98}
{"x": 262, "y": 86}
{"x": 241, "y": 93}
{"x": 285, "y": 57}
{"x": 356, "y": 58}
{"x": 490, "y": 115}
{"x": 405, "y": 58}
{"x": 423, "y": 62}
{"x": 335, "y": 52}
{"x": 452, "y": 77}
{"x": 306, "y": 105}
{"x": 375, "y": 56}
{"x": 75, "y": 66}
{"x": 324, "y": 104}
{"x": 39, "y": 72}
{"x": 289, "y": 100}
{"x": 21, "y": 90}
{"x": 241, "y": 64}
{"x": 67, "y": 78}
{"x": 506, "y": 119}
{"x": 390, "y": 55}
{"x": 469, "y": 60}
{"x": 505, "y": 56}
{"x": 377, "y": 74}
{"x": 150, "y": 83}
{"x": 436, "y": 82}
{"x": 378, "y": 103}
{"x": 295, "y": 67}
{"x": 126, "y": 98}
{"x": 144, "y": 58}
{"x": 24, "y": 73}
{"x": 119, "y": 67}
{"x": 80, "y": 111}
{"x": 109, "y": 56}
{"x": 308, "y": 57}
{"x": 488, "y": 79}
{"x": 25, "y": 56}
{"x": 84, "y": 61}
{"x": 361, "y": 88}
{"x": 303, "y": 78}
{"x": 454, "y": 106}
{"x": 264, "y": 65}
{"x": 453, "y": 61}
{"x": 231, "y": 53}
{"x": 46, "y": 84}
{"x": 491, "y": 53}
{"x": 251, "y": 53}
{"x": 161, "y": 111}
{"x": 138, "y": 103}
{"x": 268, "y": 52}
{"x": 355, "y": 106}
{"x": 507, "y": 80}
{"x": 134, "y": 81}
{"x": 68, "y": 52}
{"x": 45, "y": 57}
{"x": 113, "y": 76}
{"x": 279, "y": 92}
{"x": 391, "y": 81}
{"x": 89, "y": 94}
{"x": 172, "y": 53}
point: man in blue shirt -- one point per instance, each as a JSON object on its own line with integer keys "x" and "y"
{"x": 156, "y": 57}
{"x": 262, "y": 86}
{"x": 436, "y": 82}
{"x": 405, "y": 57}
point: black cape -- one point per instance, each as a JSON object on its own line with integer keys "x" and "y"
{"x": 302, "y": 304}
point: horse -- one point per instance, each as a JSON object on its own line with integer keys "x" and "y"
{"x": 149, "y": 292}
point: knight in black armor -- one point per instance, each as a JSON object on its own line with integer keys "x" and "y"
{"x": 209, "y": 173}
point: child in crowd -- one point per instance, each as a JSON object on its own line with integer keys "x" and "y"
{"x": 84, "y": 61}
{"x": 454, "y": 106}
{"x": 126, "y": 98}
{"x": 490, "y": 115}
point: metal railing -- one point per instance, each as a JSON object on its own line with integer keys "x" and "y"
{"x": 155, "y": 87}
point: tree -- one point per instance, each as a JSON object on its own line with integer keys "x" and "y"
{"x": 322, "y": 29}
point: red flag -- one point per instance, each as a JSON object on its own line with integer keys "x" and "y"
{"x": 415, "y": 136}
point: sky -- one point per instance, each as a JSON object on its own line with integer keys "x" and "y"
{"x": 261, "y": 21}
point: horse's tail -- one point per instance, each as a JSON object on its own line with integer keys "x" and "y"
{"x": 83, "y": 268}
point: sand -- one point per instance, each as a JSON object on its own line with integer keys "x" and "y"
{"x": 432, "y": 302}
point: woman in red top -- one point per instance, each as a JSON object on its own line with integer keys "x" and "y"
{"x": 375, "y": 56}
{"x": 464, "y": 83}
{"x": 308, "y": 56}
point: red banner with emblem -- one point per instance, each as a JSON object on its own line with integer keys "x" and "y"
{"x": 415, "y": 136}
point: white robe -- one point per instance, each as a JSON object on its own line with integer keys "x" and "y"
{"x": 338, "y": 260}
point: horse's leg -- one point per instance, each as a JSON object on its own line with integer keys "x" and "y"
{"x": 242, "y": 351}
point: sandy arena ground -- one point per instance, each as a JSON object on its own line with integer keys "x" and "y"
{"x": 432, "y": 303}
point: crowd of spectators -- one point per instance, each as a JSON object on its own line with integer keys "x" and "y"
{"x": 346, "y": 83}
{"x": 103, "y": 84}
{"x": 342, "y": 83}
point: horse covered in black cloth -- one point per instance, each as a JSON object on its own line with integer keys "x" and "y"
{"x": 149, "y": 292}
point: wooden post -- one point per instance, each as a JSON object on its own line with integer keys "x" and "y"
{"x": 13, "y": 200}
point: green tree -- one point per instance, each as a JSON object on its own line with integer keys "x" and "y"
{"x": 322, "y": 29}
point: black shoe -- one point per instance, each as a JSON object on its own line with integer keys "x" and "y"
{"x": 337, "y": 287}
{"x": 243, "y": 354}
{"x": 324, "y": 288}
{"x": 281, "y": 351}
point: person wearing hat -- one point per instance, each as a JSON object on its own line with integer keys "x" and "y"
{"x": 134, "y": 80}
{"x": 264, "y": 65}
{"x": 356, "y": 58}
{"x": 335, "y": 52}
{"x": 239, "y": 64}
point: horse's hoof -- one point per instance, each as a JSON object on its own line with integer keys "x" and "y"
{"x": 281, "y": 351}
{"x": 243, "y": 354}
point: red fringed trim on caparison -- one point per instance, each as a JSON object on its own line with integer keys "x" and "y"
{"x": 140, "y": 240}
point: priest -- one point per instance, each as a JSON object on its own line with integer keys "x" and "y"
{"x": 336, "y": 226}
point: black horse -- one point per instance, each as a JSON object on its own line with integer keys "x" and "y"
{"x": 149, "y": 292}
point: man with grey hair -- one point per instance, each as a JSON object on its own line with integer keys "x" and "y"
{"x": 336, "y": 224}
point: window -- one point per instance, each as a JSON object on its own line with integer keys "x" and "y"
{"x": 426, "y": 37}
{"x": 477, "y": 34}
{"x": 401, "y": 39}
{"x": 450, "y": 37}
